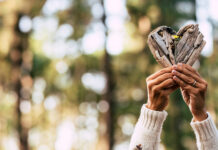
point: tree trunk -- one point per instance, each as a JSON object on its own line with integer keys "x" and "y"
{"x": 109, "y": 97}
{"x": 21, "y": 79}
{"x": 109, "y": 94}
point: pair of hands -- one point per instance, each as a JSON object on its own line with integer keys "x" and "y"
{"x": 167, "y": 80}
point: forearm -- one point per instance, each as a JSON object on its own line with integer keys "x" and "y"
{"x": 148, "y": 129}
{"x": 206, "y": 134}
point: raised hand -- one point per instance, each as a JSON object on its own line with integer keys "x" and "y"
{"x": 193, "y": 88}
{"x": 159, "y": 86}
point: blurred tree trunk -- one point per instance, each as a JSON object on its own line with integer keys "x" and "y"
{"x": 109, "y": 97}
{"x": 21, "y": 79}
{"x": 20, "y": 58}
{"x": 109, "y": 93}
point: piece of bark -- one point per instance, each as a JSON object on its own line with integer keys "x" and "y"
{"x": 153, "y": 49}
{"x": 160, "y": 43}
{"x": 181, "y": 43}
{"x": 169, "y": 50}
{"x": 188, "y": 45}
{"x": 168, "y": 40}
{"x": 195, "y": 55}
{"x": 161, "y": 58}
{"x": 184, "y": 29}
{"x": 198, "y": 40}
{"x": 188, "y": 56}
{"x": 197, "y": 43}
{"x": 192, "y": 35}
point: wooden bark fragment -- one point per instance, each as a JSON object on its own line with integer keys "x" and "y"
{"x": 153, "y": 51}
{"x": 184, "y": 29}
{"x": 168, "y": 40}
{"x": 197, "y": 43}
{"x": 161, "y": 58}
{"x": 188, "y": 45}
{"x": 160, "y": 42}
{"x": 153, "y": 47}
{"x": 181, "y": 43}
{"x": 169, "y": 48}
{"x": 196, "y": 54}
{"x": 166, "y": 61}
{"x": 198, "y": 40}
{"x": 187, "y": 56}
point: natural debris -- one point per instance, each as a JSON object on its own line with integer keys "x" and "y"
{"x": 138, "y": 147}
{"x": 169, "y": 47}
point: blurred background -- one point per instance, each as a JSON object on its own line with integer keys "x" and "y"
{"x": 72, "y": 72}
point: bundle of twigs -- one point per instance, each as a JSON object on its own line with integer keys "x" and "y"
{"x": 169, "y": 47}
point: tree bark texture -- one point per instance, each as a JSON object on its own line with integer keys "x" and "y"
{"x": 169, "y": 47}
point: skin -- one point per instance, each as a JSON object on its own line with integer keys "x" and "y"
{"x": 194, "y": 96}
{"x": 162, "y": 83}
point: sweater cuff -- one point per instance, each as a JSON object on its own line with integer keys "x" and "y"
{"x": 151, "y": 120}
{"x": 205, "y": 129}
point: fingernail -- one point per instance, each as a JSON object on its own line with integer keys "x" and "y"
{"x": 174, "y": 66}
{"x": 180, "y": 64}
{"x": 174, "y": 77}
{"x": 174, "y": 71}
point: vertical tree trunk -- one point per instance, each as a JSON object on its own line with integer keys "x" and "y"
{"x": 109, "y": 97}
{"x": 20, "y": 78}
{"x": 21, "y": 62}
{"x": 109, "y": 94}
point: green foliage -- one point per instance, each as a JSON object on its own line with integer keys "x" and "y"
{"x": 78, "y": 16}
{"x": 40, "y": 63}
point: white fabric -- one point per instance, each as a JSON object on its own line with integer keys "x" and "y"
{"x": 146, "y": 135}
{"x": 206, "y": 134}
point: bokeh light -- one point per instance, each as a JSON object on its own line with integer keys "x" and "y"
{"x": 76, "y": 68}
{"x": 25, "y": 24}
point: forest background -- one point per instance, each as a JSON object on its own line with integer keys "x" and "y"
{"x": 72, "y": 72}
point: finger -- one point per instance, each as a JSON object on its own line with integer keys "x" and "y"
{"x": 162, "y": 71}
{"x": 182, "y": 84}
{"x": 187, "y": 79}
{"x": 197, "y": 75}
{"x": 165, "y": 84}
{"x": 159, "y": 79}
{"x": 190, "y": 68}
{"x": 187, "y": 72}
{"x": 170, "y": 90}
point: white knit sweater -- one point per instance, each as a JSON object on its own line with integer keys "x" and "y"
{"x": 146, "y": 135}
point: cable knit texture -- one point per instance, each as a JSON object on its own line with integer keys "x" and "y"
{"x": 147, "y": 131}
{"x": 206, "y": 134}
{"x": 146, "y": 135}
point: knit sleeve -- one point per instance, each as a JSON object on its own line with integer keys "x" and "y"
{"x": 206, "y": 134}
{"x": 146, "y": 135}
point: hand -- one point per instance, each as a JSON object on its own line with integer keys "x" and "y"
{"x": 193, "y": 89}
{"x": 159, "y": 86}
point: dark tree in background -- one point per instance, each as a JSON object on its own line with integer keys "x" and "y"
{"x": 20, "y": 60}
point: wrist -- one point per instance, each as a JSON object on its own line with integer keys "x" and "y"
{"x": 152, "y": 107}
{"x": 200, "y": 116}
